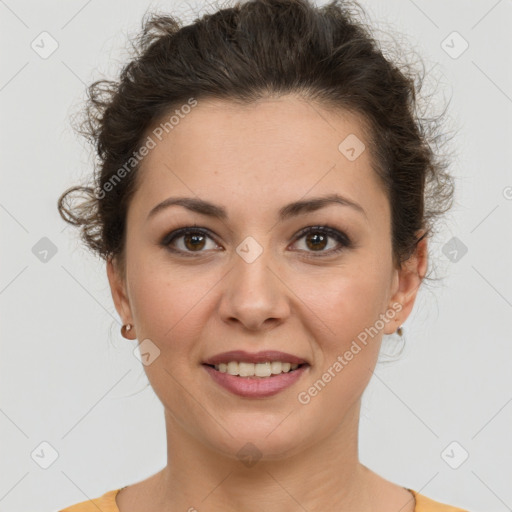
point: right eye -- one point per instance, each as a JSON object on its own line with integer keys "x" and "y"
{"x": 187, "y": 240}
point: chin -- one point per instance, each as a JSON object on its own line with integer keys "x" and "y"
{"x": 257, "y": 441}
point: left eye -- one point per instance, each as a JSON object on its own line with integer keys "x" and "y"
{"x": 316, "y": 238}
{"x": 193, "y": 240}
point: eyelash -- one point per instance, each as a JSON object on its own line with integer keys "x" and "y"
{"x": 339, "y": 236}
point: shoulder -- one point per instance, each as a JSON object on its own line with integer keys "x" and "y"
{"x": 105, "y": 503}
{"x": 425, "y": 504}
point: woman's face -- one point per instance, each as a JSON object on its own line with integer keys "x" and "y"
{"x": 253, "y": 280}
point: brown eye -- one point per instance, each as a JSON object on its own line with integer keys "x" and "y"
{"x": 188, "y": 240}
{"x": 193, "y": 241}
{"x": 317, "y": 240}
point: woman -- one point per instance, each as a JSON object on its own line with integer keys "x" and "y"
{"x": 264, "y": 201}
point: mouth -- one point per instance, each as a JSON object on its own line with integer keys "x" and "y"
{"x": 255, "y": 374}
{"x": 256, "y": 380}
{"x": 263, "y": 370}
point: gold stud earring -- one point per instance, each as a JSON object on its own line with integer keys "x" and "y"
{"x": 400, "y": 331}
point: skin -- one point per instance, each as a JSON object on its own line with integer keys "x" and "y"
{"x": 192, "y": 308}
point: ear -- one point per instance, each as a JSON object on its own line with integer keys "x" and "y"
{"x": 408, "y": 279}
{"x": 118, "y": 290}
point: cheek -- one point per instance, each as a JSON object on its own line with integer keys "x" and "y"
{"x": 347, "y": 299}
{"x": 168, "y": 309}
{"x": 168, "y": 304}
{"x": 345, "y": 309}
{"x": 347, "y": 346}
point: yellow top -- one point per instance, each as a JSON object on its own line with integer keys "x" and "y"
{"x": 107, "y": 503}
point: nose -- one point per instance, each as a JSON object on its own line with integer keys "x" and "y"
{"x": 254, "y": 294}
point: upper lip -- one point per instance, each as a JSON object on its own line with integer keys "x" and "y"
{"x": 256, "y": 357}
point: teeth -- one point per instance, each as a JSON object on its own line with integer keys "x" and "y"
{"x": 265, "y": 369}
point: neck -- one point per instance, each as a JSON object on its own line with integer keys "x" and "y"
{"x": 324, "y": 475}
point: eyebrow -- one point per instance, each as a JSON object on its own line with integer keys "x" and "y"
{"x": 290, "y": 210}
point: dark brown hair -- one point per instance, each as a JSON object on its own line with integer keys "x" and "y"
{"x": 252, "y": 50}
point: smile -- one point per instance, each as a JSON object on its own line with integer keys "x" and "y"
{"x": 260, "y": 380}
{"x": 265, "y": 369}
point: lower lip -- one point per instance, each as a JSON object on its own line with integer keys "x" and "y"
{"x": 256, "y": 387}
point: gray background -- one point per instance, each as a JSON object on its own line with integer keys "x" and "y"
{"x": 69, "y": 379}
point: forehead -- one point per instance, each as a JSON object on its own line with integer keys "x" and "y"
{"x": 260, "y": 154}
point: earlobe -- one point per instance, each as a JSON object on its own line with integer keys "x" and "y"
{"x": 410, "y": 276}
